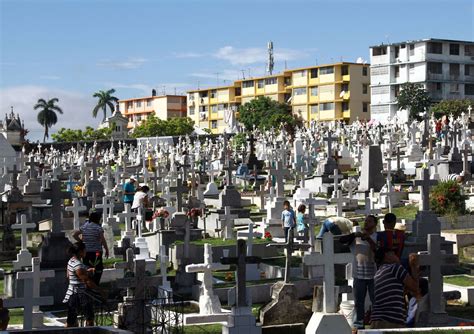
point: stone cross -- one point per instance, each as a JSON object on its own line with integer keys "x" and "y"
{"x": 312, "y": 220}
{"x": 249, "y": 235}
{"x": 336, "y": 178}
{"x": 129, "y": 260}
{"x": 107, "y": 207}
{"x": 32, "y": 173}
{"x": 23, "y": 226}
{"x": 56, "y": 196}
{"x": 139, "y": 282}
{"x": 207, "y": 299}
{"x": 93, "y": 165}
{"x": 435, "y": 258}
{"x": 328, "y": 259}
{"x": 27, "y": 302}
{"x": 75, "y": 208}
{"x": 14, "y": 177}
{"x": 127, "y": 215}
{"x": 339, "y": 200}
{"x": 241, "y": 260}
{"x": 368, "y": 209}
{"x": 165, "y": 284}
{"x": 425, "y": 184}
{"x": 289, "y": 247}
{"x": 37, "y": 275}
{"x": 466, "y": 164}
{"x": 330, "y": 140}
{"x": 180, "y": 190}
{"x": 227, "y": 224}
{"x": 261, "y": 193}
{"x": 279, "y": 173}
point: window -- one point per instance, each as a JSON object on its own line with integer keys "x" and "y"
{"x": 299, "y": 91}
{"x": 344, "y": 70}
{"x": 435, "y": 48}
{"x": 435, "y": 68}
{"x": 454, "y": 49}
{"x": 469, "y": 70}
{"x": 327, "y": 106}
{"x": 247, "y": 84}
{"x": 365, "y": 107}
{"x": 314, "y": 73}
{"x": 299, "y": 110}
{"x": 191, "y": 110}
{"x": 270, "y": 81}
{"x": 260, "y": 83}
{"x": 396, "y": 90}
{"x": 314, "y": 108}
{"x": 314, "y": 91}
{"x": 326, "y": 70}
{"x": 454, "y": 88}
{"x": 412, "y": 49}
{"x": 149, "y": 102}
{"x": 364, "y": 71}
{"x": 129, "y": 105}
{"x": 222, "y": 106}
{"x": 213, "y": 94}
{"x": 237, "y": 91}
{"x": 469, "y": 89}
{"x": 203, "y": 109}
{"x": 434, "y": 86}
{"x": 214, "y": 109}
{"x": 397, "y": 71}
{"x": 397, "y": 51}
{"x": 299, "y": 74}
{"x": 345, "y": 88}
{"x": 469, "y": 50}
{"x": 191, "y": 97}
{"x": 214, "y": 124}
{"x": 454, "y": 70}
{"x": 365, "y": 88}
{"x": 203, "y": 94}
{"x": 345, "y": 106}
{"x": 411, "y": 68}
{"x": 379, "y": 51}
{"x": 138, "y": 104}
{"x": 287, "y": 81}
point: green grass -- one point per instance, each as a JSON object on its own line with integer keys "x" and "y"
{"x": 109, "y": 263}
{"x": 16, "y": 316}
{"x": 406, "y": 212}
{"x": 208, "y": 329}
{"x": 461, "y": 280}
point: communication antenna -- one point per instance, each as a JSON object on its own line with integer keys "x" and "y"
{"x": 270, "y": 62}
{"x": 243, "y": 74}
{"x": 285, "y": 65}
{"x": 164, "y": 90}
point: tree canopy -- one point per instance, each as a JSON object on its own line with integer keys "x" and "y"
{"x": 455, "y": 107}
{"x": 106, "y": 99}
{"x": 264, "y": 113}
{"x": 47, "y": 115}
{"x": 154, "y": 127}
{"x": 414, "y": 98}
{"x": 89, "y": 134}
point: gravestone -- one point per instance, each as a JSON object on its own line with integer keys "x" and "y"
{"x": 252, "y": 272}
{"x": 75, "y": 208}
{"x": 370, "y": 177}
{"x": 23, "y": 258}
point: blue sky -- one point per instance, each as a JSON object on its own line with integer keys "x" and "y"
{"x": 70, "y": 48}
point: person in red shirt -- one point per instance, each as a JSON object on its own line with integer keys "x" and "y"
{"x": 390, "y": 238}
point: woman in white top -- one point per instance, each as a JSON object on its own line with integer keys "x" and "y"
{"x": 140, "y": 199}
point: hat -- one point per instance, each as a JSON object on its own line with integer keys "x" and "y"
{"x": 132, "y": 178}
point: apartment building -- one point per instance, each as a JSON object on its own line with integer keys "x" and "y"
{"x": 163, "y": 107}
{"x": 445, "y": 68}
{"x": 325, "y": 93}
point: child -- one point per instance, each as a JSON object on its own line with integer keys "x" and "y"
{"x": 288, "y": 218}
{"x": 301, "y": 227}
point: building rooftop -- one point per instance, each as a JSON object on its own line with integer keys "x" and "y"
{"x": 423, "y": 40}
{"x": 151, "y": 97}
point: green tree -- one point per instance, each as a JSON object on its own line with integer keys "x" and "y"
{"x": 414, "y": 98}
{"x": 89, "y": 134}
{"x": 47, "y": 115}
{"x": 265, "y": 113}
{"x": 106, "y": 99}
{"x": 154, "y": 127}
{"x": 455, "y": 107}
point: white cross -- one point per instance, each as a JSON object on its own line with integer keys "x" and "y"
{"x": 339, "y": 200}
{"x": 249, "y": 235}
{"x": 312, "y": 219}
{"x": 23, "y": 226}
{"x": 434, "y": 258}
{"x": 37, "y": 275}
{"x": 425, "y": 184}
{"x": 140, "y": 219}
{"x": 165, "y": 284}
{"x": 279, "y": 173}
{"x": 368, "y": 209}
{"x": 328, "y": 259}
{"x": 75, "y": 209}
{"x": 127, "y": 215}
{"x": 27, "y": 302}
{"x": 107, "y": 207}
{"x": 336, "y": 178}
{"x": 227, "y": 224}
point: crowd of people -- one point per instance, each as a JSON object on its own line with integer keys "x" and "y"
{"x": 379, "y": 269}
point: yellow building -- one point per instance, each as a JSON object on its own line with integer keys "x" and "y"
{"x": 163, "y": 107}
{"x": 328, "y": 92}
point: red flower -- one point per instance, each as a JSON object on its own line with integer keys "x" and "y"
{"x": 97, "y": 254}
{"x": 267, "y": 235}
{"x": 453, "y": 189}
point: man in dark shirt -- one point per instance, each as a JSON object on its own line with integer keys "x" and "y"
{"x": 388, "y": 310}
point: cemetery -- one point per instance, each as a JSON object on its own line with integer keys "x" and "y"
{"x": 207, "y": 253}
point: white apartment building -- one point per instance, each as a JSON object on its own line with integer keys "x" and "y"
{"x": 444, "y": 67}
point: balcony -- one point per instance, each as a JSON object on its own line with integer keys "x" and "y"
{"x": 346, "y": 77}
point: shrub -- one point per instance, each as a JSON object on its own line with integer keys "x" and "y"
{"x": 447, "y": 198}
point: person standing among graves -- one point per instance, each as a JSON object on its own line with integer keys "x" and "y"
{"x": 288, "y": 218}
{"x": 140, "y": 200}
{"x": 301, "y": 226}
{"x": 129, "y": 190}
{"x": 92, "y": 234}
{"x": 388, "y": 309}
{"x": 363, "y": 246}
{"x": 391, "y": 238}
{"x": 77, "y": 299}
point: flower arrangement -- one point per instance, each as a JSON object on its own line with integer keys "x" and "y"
{"x": 267, "y": 236}
{"x": 195, "y": 212}
{"x": 447, "y": 198}
{"x": 160, "y": 213}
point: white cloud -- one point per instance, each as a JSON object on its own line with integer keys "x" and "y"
{"x": 128, "y": 64}
{"x": 247, "y": 56}
{"x": 77, "y": 108}
{"x": 190, "y": 54}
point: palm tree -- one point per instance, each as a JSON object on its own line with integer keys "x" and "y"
{"x": 105, "y": 99}
{"x": 47, "y": 116}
